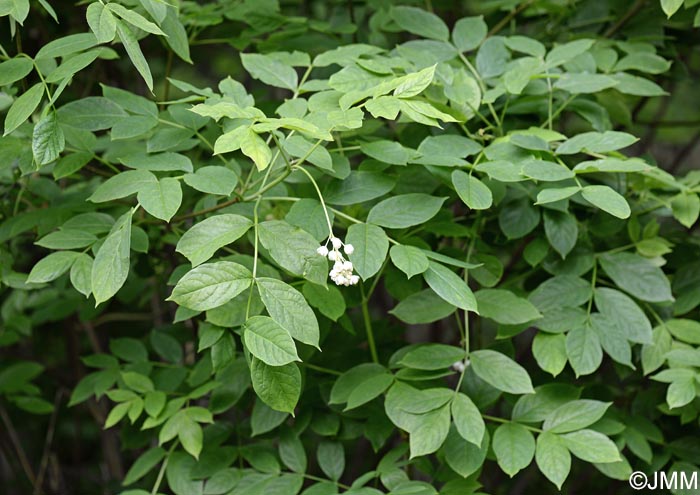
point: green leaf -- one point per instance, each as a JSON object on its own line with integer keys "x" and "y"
{"x": 161, "y": 199}
{"x": 190, "y": 435}
{"x": 450, "y": 287}
{"x": 467, "y": 419}
{"x": 415, "y": 83}
{"x": 269, "y": 342}
{"x": 329, "y": 300}
{"x": 133, "y": 50}
{"x": 550, "y": 352}
{"x": 137, "y": 382}
{"x": 255, "y": 148}
{"x": 331, "y": 459}
{"x": 686, "y": 208}
{"x": 48, "y": 140}
{"x": 464, "y": 457}
{"x": 472, "y": 191}
{"x": 295, "y": 250}
{"x": 121, "y": 185}
{"x": 371, "y": 245}
{"x": 422, "y": 307}
{"x": 607, "y": 199}
{"x": 575, "y": 415}
{"x": 584, "y": 350}
{"x": 568, "y": 51}
{"x": 143, "y": 465}
{"x": 681, "y": 392}
{"x": 278, "y": 386}
{"x": 270, "y": 71}
{"x": 514, "y": 447}
{"x": 81, "y": 273}
{"x": 117, "y": 414}
{"x": 591, "y": 446}
{"x": 561, "y": 230}
{"x": 101, "y": 22}
{"x": 581, "y": 83}
{"x": 14, "y": 69}
{"x": 93, "y": 113}
{"x": 292, "y": 452}
{"x": 469, "y": 32}
{"x": 622, "y": 312}
{"x": 52, "y": 266}
{"x": 638, "y": 276}
{"x": 553, "y": 458}
{"x": 685, "y": 330}
{"x": 159, "y": 162}
{"x": 176, "y": 33}
{"x": 201, "y": 241}
{"x": 430, "y": 431}
{"x": 289, "y": 309}
{"x": 505, "y": 307}
{"x": 351, "y": 379}
{"x": 387, "y": 151}
{"x": 369, "y": 390}
{"x": 420, "y": 22}
{"x": 670, "y": 7}
{"x": 212, "y": 180}
{"x": 135, "y": 19}
{"x": 596, "y": 142}
{"x": 409, "y": 259}
{"x": 501, "y": 372}
{"x": 210, "y": 285}
{"x": 23, "y": 107}
{"x": 111, "y": 265}
{"x": 432, "y": 356}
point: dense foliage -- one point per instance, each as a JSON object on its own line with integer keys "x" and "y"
{"x": 260, "y": 247}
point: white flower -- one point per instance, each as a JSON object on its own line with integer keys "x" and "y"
{"x": 341, "y": 273}
{"x": 349, "y": 249}
{"x": 337, "y": 243}
{"x": 333, "y": 255}
{"x": 459, "y": 366}
{"x": 347, "y": 265}
{"x": 322, "y": 250}
{"x": 354, "y": 279}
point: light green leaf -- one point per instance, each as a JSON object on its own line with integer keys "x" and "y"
{"x": 94, "y": 113}
{"x": 369, "y": 390}
{"x": 469, "y": 32}
{"x": 23, "y": 107}
{"x": 638, "y": 276}
{"x": 278, "y": 386}
{"x": 289, "y": 309}
{"x": 549, "y": 351}
{"x": 210, "y": 285}
{"x": 14, "y": 69}
{"x": 556, "y": 194}
{"x": 133, "y": 50}
{"x": 501, "y": 372}
{"x": 607, "y": 199}
{"x": 505, "y": 307}
{"x": 201, "y": 241}
{"x": 414, "y": 83}
{"x": 591, "y": 446}
{"x": 670, "y": 7}
{"x": 48, "y": 140}
{"x": 430, "y": 431}
{"x": 467, "y": 419}
{"x": 157, "y": 162}
{"x": 622, "y": 312}
{"x": 681, "y": 392}
{"x": 464, "y": 457}
{"x": 270, "y": 71}
{"x": 582, "y": 83}
{"x": 255, "y": 148}
{"x": 269, "y": 342}
{"x": 161, "y": 199}
{"x": 561, "y": 229}
{"x": 553, "y": 458}
{"x": 545, "y": 170}
{"x": 450, "y": 287}
{"x": 123, "y": 184}
{"x": 387, "y": 151}
{"x": 472, "y": 191}
{"x": 111, "y": 265}
{"x": 134, "y": 18}
{"x": 143, "y": 465}
{"x": 686, "y": 208}
{"x": 212, "y": 180}
{"x": 420, "y": 22}
{"x": 81, "y": 273}
{"x": 584, "y": 350}
{"x": 422, "y": 307}
{"x": 432, "y": 356}
{"x": 568, "y": 51}
{"x": 52, "y": 266}
{"x": 514, "y": 447}
{"x": 409, "y": 259}
{"x": 101, "y": 22}
{"x": 575, "y": 415}
{"x": 371, "y": 245}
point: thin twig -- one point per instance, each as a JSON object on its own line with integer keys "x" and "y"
{"x": 47, "y": 443}
{"x": 21, "y": 455}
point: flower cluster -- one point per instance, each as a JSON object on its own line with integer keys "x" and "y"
{"x": 341, "y": 273}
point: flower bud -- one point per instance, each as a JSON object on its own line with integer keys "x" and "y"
{"x": 349, "y": 249}
{"x": 337, "y": 243}
{"x": 333, "y": 255}
{"x": 322, "y": 250}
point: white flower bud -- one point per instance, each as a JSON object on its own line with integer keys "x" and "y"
{"x": 337, "y": 243}
{"x": 340, "y": 280}
{"x": 354, "y": 279}
{"x": 349, "y": 249}
{"x": 333, "y": 255}
{"x": 459, "y": 366}
{"x": 322, "y": 250}
{"x": 347, "y": 266}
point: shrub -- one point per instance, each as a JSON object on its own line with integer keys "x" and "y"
{"x": 394, "y": 250}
